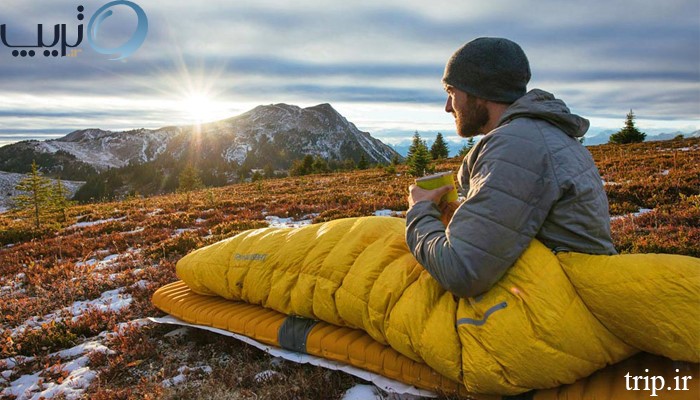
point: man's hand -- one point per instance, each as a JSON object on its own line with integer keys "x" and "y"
{"x": 416, "y": 194}
{"x": 448, "y": 210}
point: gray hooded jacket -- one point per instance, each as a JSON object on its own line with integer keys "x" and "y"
{"x": 528, "y": 178}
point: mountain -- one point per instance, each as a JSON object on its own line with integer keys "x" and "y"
{"x": 603, "y": 137}
{"x": 669, "y": 136}
{"x": 318, "y": 130}
{"x": 148, "y": 161}
{"x": 281, "y": 128}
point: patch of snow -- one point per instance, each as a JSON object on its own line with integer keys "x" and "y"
{"x": 78, "y": 379}
{"x": 92, "y": 223}
{"x": 14, "y": 284}
{"x": 388, "y": 213}
{"x": 142, "y": 284}
{"x": 362, "y": 392}
{"x": 6, "y": 374}
{"x": 155, "y": 212}
{"x": 12, "y": 362}
{"x": 174, "y": 381}
{"x": 23, "y": 386}
{"x": 112, "y": 300}
{"x": 179, "y": 232}
{"x": 137, "y": 230}
{"x": 236, "y": 153}
{"x": 83, "y": 348}
{"x": 182, "y": 376}
{"x": 370, "y": 392}
{"x": 110, "y": 258}
{"x": 124, "y": 325}
{"x": 184, "y": 331}
{"x": 641, "y": 211}
{"x": 267, "y": 375}
{"x": 277, "y": 222}
{"x": 86, "y": 263}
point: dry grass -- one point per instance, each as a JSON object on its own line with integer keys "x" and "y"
{"x": 46, "y": 272}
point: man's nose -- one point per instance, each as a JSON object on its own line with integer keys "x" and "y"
{"x": 448, "y": 105}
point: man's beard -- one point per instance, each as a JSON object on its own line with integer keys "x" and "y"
{"x": 473, "y": 120}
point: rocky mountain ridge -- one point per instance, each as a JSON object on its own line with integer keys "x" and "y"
{"x": 277, "y": 128}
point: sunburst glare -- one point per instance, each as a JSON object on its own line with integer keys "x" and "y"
{"x": 201, "y": 107}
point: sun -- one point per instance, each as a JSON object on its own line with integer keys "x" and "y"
{"x": 199, "y": 108}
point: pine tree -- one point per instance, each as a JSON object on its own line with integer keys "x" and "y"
{"x": 465, "y": 149}
{"x": 362, "y": 164}
{"x": 257, "y": 176}
{"x": 418, "y": 158}
{"x": 189, "y": 180}
{"x": 59, "y": 200}
{"x": 439, "y": 148}
{"x": 38, "y": 198}
{"x": 470, "y": 142}
{"x": 348, "y": 164}
{"x": 301, "y": 167}
{"x": 320, "y": 165}
{"x": 269, "y": 171}
{"x": 628, "y": 134}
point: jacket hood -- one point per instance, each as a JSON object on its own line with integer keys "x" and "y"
{"x": 543, "y": 105}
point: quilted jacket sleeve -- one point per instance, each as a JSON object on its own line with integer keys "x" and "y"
{"x": 511, "y": 188}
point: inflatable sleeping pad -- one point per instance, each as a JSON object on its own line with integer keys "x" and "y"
{"x": 350, "y": 290}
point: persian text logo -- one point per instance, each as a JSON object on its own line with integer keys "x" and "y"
{"x": 59, "y": 35}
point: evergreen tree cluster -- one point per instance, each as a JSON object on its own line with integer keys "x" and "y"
{"x": 44, "y": 201}
{"x": 628, "y": 134}
{"x": 20, "y": 158}
{"x": 466, "y": 148}
{"x": 418, "y": 157}
{"x": 318, "y": 165}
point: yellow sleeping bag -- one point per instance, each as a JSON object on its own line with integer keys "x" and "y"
{"x": 551, "y": 320}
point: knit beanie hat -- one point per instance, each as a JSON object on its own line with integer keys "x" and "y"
{"x": 493, "y": 69}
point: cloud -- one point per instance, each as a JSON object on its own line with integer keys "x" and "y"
{"x": 601, "y": 57}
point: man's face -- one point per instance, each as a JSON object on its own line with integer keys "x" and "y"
{"x": 471, "y": 116}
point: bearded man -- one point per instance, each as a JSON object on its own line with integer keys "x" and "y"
{"x": 529, "y": 177}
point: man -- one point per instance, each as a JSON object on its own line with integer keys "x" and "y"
{"x": 527, "y": 178}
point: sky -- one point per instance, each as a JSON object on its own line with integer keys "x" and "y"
{"x": 379, "y": 63}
